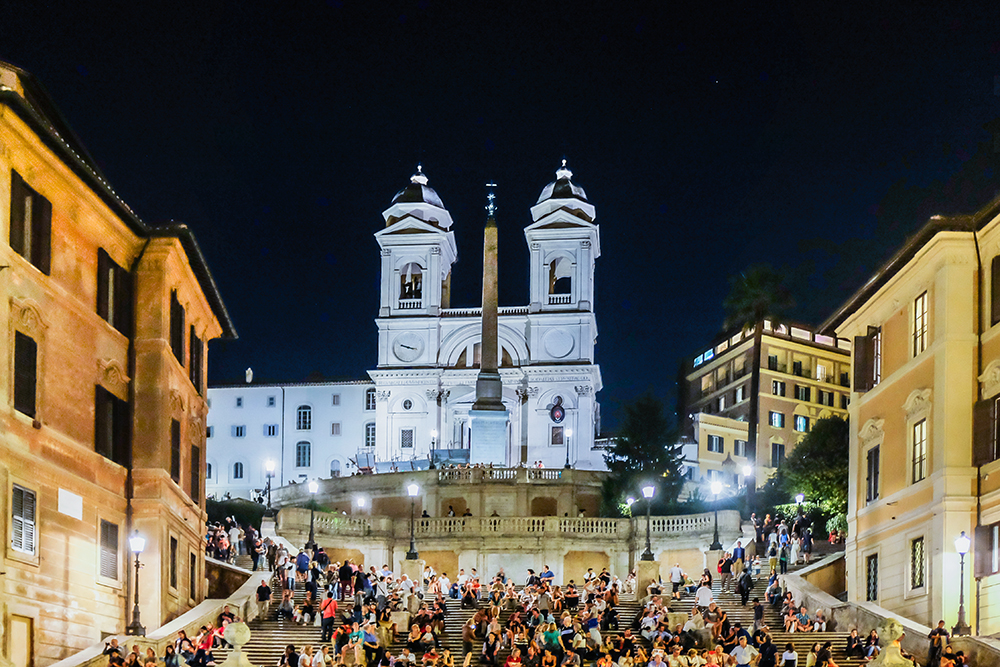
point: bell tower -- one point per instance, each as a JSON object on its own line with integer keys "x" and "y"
{"x": 563, "y": 242}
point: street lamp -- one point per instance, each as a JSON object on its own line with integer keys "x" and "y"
{"x": 716, "y": 490}
{"x": 800, "y": 498}
{"x": 136, "y": 543}
{"x": 747, "y": 471}
{"x": 361, "y": 503}
{"x": 313, "y": 488}
{"x": 569, "y": 434}
{"x": 647, "y": 493}
{"x": 269, "y": 466}
{"x": 434, "y": 437}
{"x": 962, "y": 544}
{"x": 412, "y": 490}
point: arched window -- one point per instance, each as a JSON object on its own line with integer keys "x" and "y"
{"x": 560, "y": 276}
{"x": 335, "y": 468}
{"x": 303, "y": 454}
{"x": 208, "y": 471}
{"x": 303, "y": 419}
{"x": 370, "y": 435}
{"x": 238, "y": 470}
{"x": 411, "y": 282}
{"x": 370, "y": 399}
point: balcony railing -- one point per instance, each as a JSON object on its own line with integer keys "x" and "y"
{"x": 559, "y": 299}
{"x": 410, "y": 304}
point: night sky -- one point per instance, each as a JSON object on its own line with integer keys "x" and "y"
{"x": 809, "y": 138}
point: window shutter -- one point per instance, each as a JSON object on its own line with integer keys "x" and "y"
{"x": 104, "y": 281}
{"x": 123, "y": 302}
{"x": 102, "y": 422}
{"x": 121, "y": 434}
{"x": 982, "y": 549}
{"x": 175, "y": 450}
{"x": 25, "y": 367}
{"x": 41, "y": 245}
{"x": 18, "y": 191}
{"x": 983, "y": 420}
{"x": 109, "y": 550}
{"x": 23, "y": 533}
{"x": 995, "y": 290}
{"x": 196, "y": 474}
{"x": 862, "y": 363}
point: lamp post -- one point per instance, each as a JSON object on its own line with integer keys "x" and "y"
{"x": 434, "y": 437}
{"x": 313, "y": 488}
{"x": 569, "y": 434}
{"x": 716, "y": 490}
{"x": 269, "y": 466}
{"x": 800, "y": 498}
{"x": 136, "y": 543}
{"x": 412, "y": 490}
{"x": 962, "y": 544}
{"x": 747, "y": 471}
{"x": 647, "y": 493}
{"x": 361, "y": 503}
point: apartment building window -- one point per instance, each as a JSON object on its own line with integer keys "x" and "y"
{"x": 740, "y": 448}
{"x": 173, "y": 562}
{"x": 193, "y": 576}
{"x": 844, "y": 401}
{"x": 406, "y": 438}
{"x": 210, "y": 431}
{"x": 240, "y": 431}
{"x": 871, "y": 578}
{"x": 802, "y": 393}
{"x": 920, "y": 324}
{"x": 741, "y": 393}
{"x": 919, "y": 462}
{"x": 270, "y": 430}
{"x": 335, "y": 428}
{"x": 303, "y": 454}
{"x": 111, "y": 426}
{"x": 30, "y": 224}
{"x": 872, "y": 473}
{"x": 824, "y": 397}
{"x": 25, "y": 373}
{"x": 23, "y": 520}
{"x": 303, "y": 418}
{"x": 271, "y": 401}
{"x": 772, "y": 362}
{"x": 715, "y": 444}
{"x": 176, "y": 327}
{"x": 239, "y": 401}
{"x": 208, "y": 471}
{"x": 797, "y": 368}
{"x": 801, "y": 423}
{"x": 917, "y": 563}
{"x": 370, "y": 399}
{"x": 238, "y": 470}
{"x": 175, "y": 450}
{"x": 556, "y": 438}
{"x": 109, "y": 550}
{"x": 721, "y": 403}
{"x": 195, "y": 355}
{"x": 114, "y": 294}
{"x": 777, "y": 419}
{"x": 196, "y": 474}
{"x": 777, "y": 454}
{"x": 336, "y": 400}
{"x": 370, "y": 435}
{"x": 777, "y": 387}
{"x": 868, "y": 359}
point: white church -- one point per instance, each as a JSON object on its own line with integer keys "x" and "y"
{"x": 413, "y": 412}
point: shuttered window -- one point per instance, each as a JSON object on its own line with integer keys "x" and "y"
{"x": 23, "y": 534}
{"x": 868, "y": 359}
{"x": 196, "y": 474}
{"x": 25, "y": 373}
{"x": 176, "y": 327}
{"x": 871, "y": 479}
{"x": 193, "y": 576}
{"x": 995, "y": 290}
{"x": 109, "y": 550}
{"x": 30, "y": 224}
{"x": 114, "y": 294}
{"x": 195, "y": 357}
{"x": 984, "y": 430}
{"x": 173, "y": 562}
{"x": 111, "y": 426}
{"x": 175, "y": 450}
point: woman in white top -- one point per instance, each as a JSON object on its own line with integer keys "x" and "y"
{"x": 322, "y": 658}
{"x": 789, "y": 658}
{"x": 793, "y": 559}
{"x": 306, "y": 657}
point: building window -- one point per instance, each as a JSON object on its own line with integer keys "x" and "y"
{"x": 370, "y": 399}
{"x": 797, "y": 368}
{"x": 556, "y": 437}
{"x": 173, "y": 562}
{"x": 920, "y": 324}
{"x": 370, "y": 435}
{"x": 336, "y": 399}
{"x": 239, "y": 431}
{"x": 175, "y": 450}
{"x": 111, "y": 426}
{"x": 303, "y": 418}
{"x": 802, "y": 393}
{"x": 407, "y": 404}
{"x": 30, "y": 224}
{"x": 772, "y": 363}
{"x": 844, "y": 401}
{"x": 740, "y": 448}
{"x": 741, "y": 393}
{"x": 777, "y": 454}
{"x": 777, "y": 387}
{"x": 877, "y": 356}
{"x": 25, "y": 373}
{"x": 406, "y": 438}
{"x": 195, "y": 353}
{"x": 777, "y": 419}
{"x": 271, "y": 401}
{"x": 23, "y": 524}
{"x": 335, "y": 428}
{"x": 801, "y": 423}
{"x": 871, "y": 578}
{"x": 715, "y": 444}
{"x": 210, "y": 431}
{"x": 919, "y": 450}
{"x": 196, "y": 474}
{"x": 334, "y": 468}
{"x": 720, "y": 403}
{"x": 871, "y": 478}
{"x": 239, "y": 401}
{"x": 270, "y": 430}
{"x": 114, "y": 294}
{"x": 176, "y": 327}
{"x": 193, "y": 576}
{"x": 917, "y": 563}
{"x": 109, "y": 550}
{"x": 303, "y": 455}
{"x": 208, "y": 470}
{"x": 238, "y": 470}
{"x": 824, "y": 397}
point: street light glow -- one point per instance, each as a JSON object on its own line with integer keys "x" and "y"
{"x": 313, "y": 486}
{"x": 647, "y": 491}
{"x": 747, "y": 471}
{"x": 434, "y": 433}
{"x": 412, "y": 490}
{"x": 630, "y": 501}
{"x": 361, "y": 502}
{"x": 269, "y": 466}
{"x": 716, "y": 488}
{"x": 800, "y": 498}
{"x": 962, "y": 544}
{"x": 137, "y": 542}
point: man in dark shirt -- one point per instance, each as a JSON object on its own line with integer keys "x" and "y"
{"x": 768, "y": 653}
{"x": 346, "y": 575}
{"x": 290, "y": 657}
{"x": 263, "y": 599}
{"x": 939, "y": 637}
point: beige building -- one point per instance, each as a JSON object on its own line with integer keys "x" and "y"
{"x": 924, "y": 445}
{"x": 102, "y": 411}
{"x": 804, "y": 377}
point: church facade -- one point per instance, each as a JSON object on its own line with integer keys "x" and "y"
{"x": 416, "y": 409}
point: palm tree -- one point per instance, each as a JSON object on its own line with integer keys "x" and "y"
{"x": 757, "y": 294}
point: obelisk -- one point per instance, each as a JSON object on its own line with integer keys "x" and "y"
{"x": 488, "y": 417}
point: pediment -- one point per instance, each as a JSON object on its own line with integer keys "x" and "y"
{"x": 410, "y": 224}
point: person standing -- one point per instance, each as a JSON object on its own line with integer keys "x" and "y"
{"x": 263, "y": 599}
{"x": 676, "y": 579}
{"x": 328, "y": 612}
{"x": 939, "y": 637}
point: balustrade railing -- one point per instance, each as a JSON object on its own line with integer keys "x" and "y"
{"x": 559, "y": 299}
{"x": 410, "y": 304}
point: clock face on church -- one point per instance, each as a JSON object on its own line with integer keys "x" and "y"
{"x": 407, "y": 346}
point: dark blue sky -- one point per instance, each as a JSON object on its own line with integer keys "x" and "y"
{"x": 708, "y": 139}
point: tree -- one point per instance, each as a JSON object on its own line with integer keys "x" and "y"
{"x": 757, "y": 294}
{"x": 645, "y": 449}
{"x": 817, "y": 467}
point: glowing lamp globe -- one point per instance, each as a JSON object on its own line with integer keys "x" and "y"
{"x": 647, "y": 491}
{"x": 137, "y": 543}
{"x": 313, "y": 486}
{"x": 412, "y": 490}
{"x": 716, "y": 488}
{"x": 962, "y": 543}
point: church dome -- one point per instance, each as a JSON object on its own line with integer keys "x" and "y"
{"x": 418, "y": 191}
{"x": 563, "y": 187}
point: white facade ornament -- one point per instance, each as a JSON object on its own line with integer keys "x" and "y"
{"x": 917, "y": 403}
{"x": 533, "y": 391}
{"x": 991, "y": 378}
{"x": 382, "y": 395}
{"x": 583, "y": 390}
{"x": 871, "y": 431}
